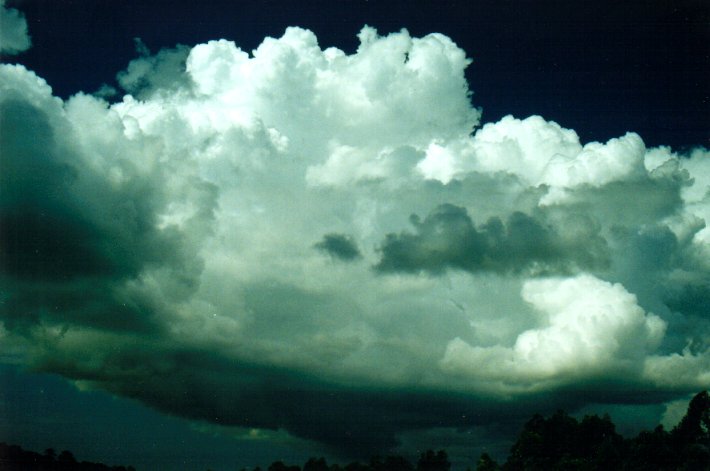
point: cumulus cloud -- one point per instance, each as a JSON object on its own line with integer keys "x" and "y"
{"x": 13, "y": 31}
{"x": 589, "y": 328}
{"x": 325, "y": 243}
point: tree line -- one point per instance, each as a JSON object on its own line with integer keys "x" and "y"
{"x": 556, "y": 443}
{"x": 14, "y": 458}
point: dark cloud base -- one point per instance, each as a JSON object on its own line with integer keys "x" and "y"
{"x": 352, "y": 421}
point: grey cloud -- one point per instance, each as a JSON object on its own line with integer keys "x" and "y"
{"x": 632, "y": 203}
{"x": 351, "y": 421}
{"x": 93, "y": 303}
{"x": 30, "y": 169}
{"x": 52, "y": 227}
{"x": 448, "y": 239}
{"x": 691, "y": 297}
{"x": 340, "y": 246}
{"x": 668, "y": 275}
{"x": 42, "y": 234}
{"x": 73, "y": 243}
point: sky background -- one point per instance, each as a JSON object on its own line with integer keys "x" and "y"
{"x": 225, "y": 242}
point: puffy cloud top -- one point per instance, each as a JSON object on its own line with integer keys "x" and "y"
{"x": 588, "y": 327}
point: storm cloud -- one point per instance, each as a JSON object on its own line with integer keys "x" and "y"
{"x": 184, "y": 246}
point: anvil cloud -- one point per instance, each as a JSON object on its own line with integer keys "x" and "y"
{"x": 331, "y": 245}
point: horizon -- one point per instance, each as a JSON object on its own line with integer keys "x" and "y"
{"x": 543, "y": 442}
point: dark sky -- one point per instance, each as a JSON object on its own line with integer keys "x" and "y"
{"x": 42, "y": 410}
{"x": 599, "y": 67}
{"x": 306, "y": 252}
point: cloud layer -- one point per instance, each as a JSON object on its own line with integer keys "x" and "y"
{"x": 324, "y": 243}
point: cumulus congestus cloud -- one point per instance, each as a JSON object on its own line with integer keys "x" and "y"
{"x": 325, "y": 243}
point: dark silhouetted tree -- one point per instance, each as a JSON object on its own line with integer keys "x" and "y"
{"x": 561, "y": 442}
{"x": 691, "y": 437}
{"x": 314, "y": 464}
{"x": 431, "y": 461}
{"x": 14, "y": 458}
{"x": 355, "y": 466}
{"x": 486, "y": 463}
{"x": 66, "y": 456}
{"x": 398, "y": 463}
{"x": 598, "y": 442}
{"x": 542, "y": 443}
{"x": 650, "y": 450}
{"x": 695, "y": 425}
{"x": 280, "y": 466}
{"x": 390, "y": 463}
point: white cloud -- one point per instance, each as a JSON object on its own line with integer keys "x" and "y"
{"x": 589, "y": 328}
{"x": 592, "y": 324}
{"x": 540, "y": 153}
{"x": 13, "y": 31}
{"x": 686, "y": 370}
{"x": 195, "y": 207}
{"x": 697, "y": 195}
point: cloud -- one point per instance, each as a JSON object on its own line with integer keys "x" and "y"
{"x": 674, "y": 413}
{"x": 148, "y": 73}
{"x": 13, "y": 31}
{"x": 339, "y": 246}
{"x": 447, "y": 238}
{"x": 184, "y": 245}
{"x": 76, "y": 228}
{"x": 540, "y": 153}
{"x": 589, "y": 328}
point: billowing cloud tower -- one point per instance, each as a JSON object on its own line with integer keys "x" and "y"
{"x": 330, "y": 245}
